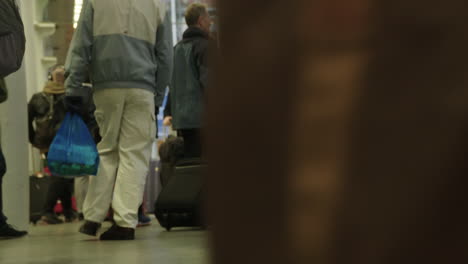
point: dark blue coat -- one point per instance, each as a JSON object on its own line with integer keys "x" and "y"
{"x": 189, "y": 80}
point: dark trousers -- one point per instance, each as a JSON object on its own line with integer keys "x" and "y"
{"x": 192, "y": 142}
{"x": 59, "y": 188}
{"x": 2, "y": 173}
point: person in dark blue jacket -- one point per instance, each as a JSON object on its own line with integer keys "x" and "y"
{"x": 190, "y": 78}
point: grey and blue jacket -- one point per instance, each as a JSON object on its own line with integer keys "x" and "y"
{"x": 122, "y": 44}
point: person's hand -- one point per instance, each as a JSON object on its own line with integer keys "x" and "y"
{"x": 43, "y": 151}
{"x": 74, "y": 104}
{"x": 159, "y": 143}
{"x": 167, "y": 121}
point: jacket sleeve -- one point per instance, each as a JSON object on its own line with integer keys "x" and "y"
{"x": 201, "y": 59}
{"x": 31, "y": 116}
{"x": 3, "y": 91}
{"x": 167, "y": 109}
{"x": 79, "y": 55}
{"x": 164, "y": 58}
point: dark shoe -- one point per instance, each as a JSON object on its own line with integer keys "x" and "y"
{"x": 90, "y": 228}
{"x": 80, "y": 216}
{"x": 7, "y": 231}
{"x": 51, "y": 219}
{"x": 118, "y": 233}
{"x": 143, "y": 220}
{"x": 70, "y": 216}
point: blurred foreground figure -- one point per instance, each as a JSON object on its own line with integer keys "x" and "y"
{"x": 361, "y": 108}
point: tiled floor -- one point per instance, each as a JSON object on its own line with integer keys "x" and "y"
{"x": 62, "y": 244}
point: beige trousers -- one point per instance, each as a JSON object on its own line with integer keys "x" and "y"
{"x": 81, "y": 189}
{"x": 127, "y": 126}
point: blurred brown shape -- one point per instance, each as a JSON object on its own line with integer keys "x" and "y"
{"x": 338, "y": 132}
{"x": 247, "y": 124}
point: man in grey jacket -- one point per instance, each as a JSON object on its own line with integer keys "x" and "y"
{"x": 126, "y": 46}
{"x": 190, "y": 79}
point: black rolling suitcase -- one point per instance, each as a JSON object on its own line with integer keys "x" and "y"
{"x": 37, "y": 196}
{"x": 179, "y": 203}
{"x": 171, "y": 151}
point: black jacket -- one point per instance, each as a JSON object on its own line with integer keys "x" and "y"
{"x": 42, "y": 127}
{"x": 190, "y": 79}
{"x": 12, "y": 38}
{"x": 43, "y": 120}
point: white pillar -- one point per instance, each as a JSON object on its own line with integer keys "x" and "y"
{"x": 13, "y": 114}
{"x": 13, "y": 123}
{"x": 174, "y": 21}
{"x": 35, "y": 62}
{"x": 14, "y": 138}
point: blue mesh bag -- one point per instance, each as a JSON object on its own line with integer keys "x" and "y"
{"x": 73, "y": 152}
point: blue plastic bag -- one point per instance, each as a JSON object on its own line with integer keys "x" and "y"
{"x": 73, "y": 152}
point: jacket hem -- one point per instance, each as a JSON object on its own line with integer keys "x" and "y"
{"x": 127, "y": 84}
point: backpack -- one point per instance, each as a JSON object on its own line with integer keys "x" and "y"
{"x": 12, "y": 39}
{"x": 48, "y": 125}
{"x": 172, "y": 150}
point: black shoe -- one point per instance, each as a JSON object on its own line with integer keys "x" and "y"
{"x": 90, "y": 228}
{"x": 118, "y": 233}
{"x": 70, "y": 216}
{"x": 51, "y": 219}
{"x": 7, "y": 231}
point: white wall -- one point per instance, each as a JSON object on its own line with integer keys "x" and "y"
{"x": 13, "y": 114}
{"x": 13, "y": 117}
